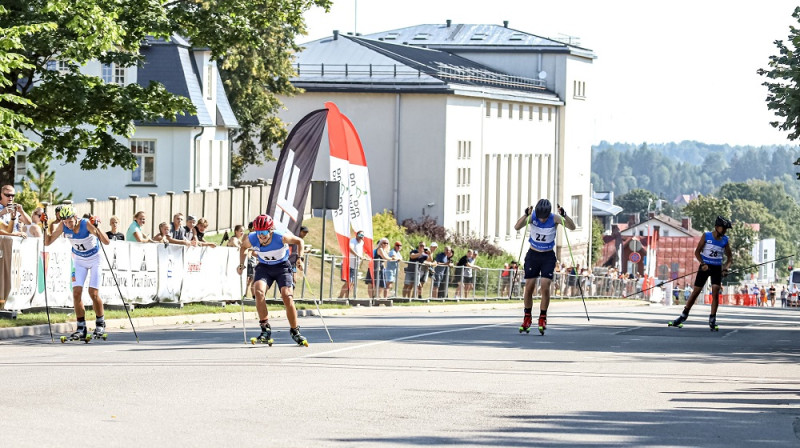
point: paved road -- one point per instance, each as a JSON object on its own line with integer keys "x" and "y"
{"x": 409, "y": 377}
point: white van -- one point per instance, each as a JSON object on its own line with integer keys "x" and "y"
{"x": 794, "y": 281}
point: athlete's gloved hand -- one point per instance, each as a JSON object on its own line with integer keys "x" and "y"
{"x": 561, "y": 210}
{"x": 724, "y": 272}
{"x": 529, "y": 210}
{"x": 43, "y": 218}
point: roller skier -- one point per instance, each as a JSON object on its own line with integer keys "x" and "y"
{"x": 540, "y": 260}
{"x": 272, "y": 249}
{"x": 709, "y": 252}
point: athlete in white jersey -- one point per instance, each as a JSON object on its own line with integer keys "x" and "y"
{"x": 83, "y": 237}
{"x": 540, "y": 260}
{"x": 709, "y": 251}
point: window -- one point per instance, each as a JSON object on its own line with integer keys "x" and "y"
{"x": 549, "y": 114}
{"x": 519, "y": 110}
{"x": 510, "y": 111}
{"x": 56, "y": 65}
{"x": 575, "y": 213}
{"x": 540, "y": 113}
{"x": 112, "y": 73}
{"x": 499, "y": 110}
{"x": 488, "y": 108}
{"x": 145, "y": 153}
{"x": 22, "y": 164}
{"x": 579, "y": 89}
{"x": 210, "y": 82}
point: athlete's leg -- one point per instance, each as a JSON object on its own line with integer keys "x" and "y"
{"x": 80, "y": 311}
{"x": 714, "y": 298}
{"x": 287, "y": 295}
{"x": 545, "y": 283}
{"x": 260, "y": 290}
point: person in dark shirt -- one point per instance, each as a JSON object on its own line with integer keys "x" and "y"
{"x": 114, "y": 233}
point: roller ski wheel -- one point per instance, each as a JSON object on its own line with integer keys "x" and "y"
{"x": 263, "y": 338}
{"x": 714, "y": 327}
{"x": 299, "y": 338}
{"x": 100, "y": 333}
{"x": 542, "y": 324}
{"x": 673, "y": 323}
{"x": 77, "y": 336}
{"x": 527, "y": 321}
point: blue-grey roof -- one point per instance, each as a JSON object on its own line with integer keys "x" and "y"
{"x": 355, "y": 63}
{"x": 225, "y": 116}
{"x": 476, "y": 37}
{"x": 171, "y": 64}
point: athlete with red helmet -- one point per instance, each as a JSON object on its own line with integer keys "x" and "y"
{"x": 272, "y": 248}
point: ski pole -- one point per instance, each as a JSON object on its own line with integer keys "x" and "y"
{"x": 124, "y": 305}
{"x": 317, "y": 304}
{"x": 578, "y": 281}
{"x": 694, "y": 272}
{"x": 241, "y": 297}
{"x": 519, "y": 258}
{"x": 44, "y": 272}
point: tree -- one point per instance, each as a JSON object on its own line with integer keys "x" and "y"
{"x": 637, "y": 201}
{"x": 783, "y": 77}
{"x": 77, "y": 117}
{"x": 705, "y": 209}
{"x": 41, "y": 180}
{"x": 597, "y": 240}
{"x": 742, "y": 238}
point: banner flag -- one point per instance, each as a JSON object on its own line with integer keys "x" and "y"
{"x": 292, "y": 179}
{"x": 340, "y": 172}
{"x": 349, "y": 168}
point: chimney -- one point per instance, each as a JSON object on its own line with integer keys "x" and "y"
{"x": 335, "y": 34}
{"x": 505, "y": 23}
{"x": 449, "y": 22}
{"x": 686, "y": 223}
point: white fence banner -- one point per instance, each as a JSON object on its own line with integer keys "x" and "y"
{"x": 146, "y": 273}
{"x": 170, "y": 273}
{"x": 24, "y": 272}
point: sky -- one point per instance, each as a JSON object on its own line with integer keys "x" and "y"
{"x": 665, "y": 71}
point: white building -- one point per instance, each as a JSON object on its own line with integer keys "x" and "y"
{"x": 764, "y": 250}
{"x": 466, "y": 123}
{"x": 192, "y": 153}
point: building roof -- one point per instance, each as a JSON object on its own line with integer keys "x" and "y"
{"x": 170, "y": 62}
{"x": 478, "y": 37}
{"x": 664, "y": 219}
{"x": 602, "y": 208}
{"x": 350, "y": 63}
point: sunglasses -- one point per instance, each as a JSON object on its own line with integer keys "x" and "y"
{"x": 263, "y": 232}
{"x": 9, "y": 195}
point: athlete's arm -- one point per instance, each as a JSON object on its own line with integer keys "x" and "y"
{"x": 242, "y": 255}
{"x": 699, "y": 250}
{"x": 102, "y": 236}
{"x": 523, "y": 219}
{"x": 728, "y": 257}
{"x": 55, "y": 233}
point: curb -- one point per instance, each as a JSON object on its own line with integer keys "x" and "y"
{"x": 189, "y": 319}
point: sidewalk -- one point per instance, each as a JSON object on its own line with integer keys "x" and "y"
{"x": 145, "y": 322}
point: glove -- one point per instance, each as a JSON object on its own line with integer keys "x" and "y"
{"x": 95, "y": 220}
{"x": 561, "y": 210}
{"x": 529, "y": 210}
{"x": 44, "y": 218}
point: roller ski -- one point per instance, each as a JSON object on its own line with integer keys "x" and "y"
{"x": 542, "y": 324}
{"x": 264, "y": 338}
{"x": 79, "y": 335}
{"x": 712, "y": 324}
{"x": 100, "y": 332}
{"x": 527, "y": 321}
{"x": 298, "y": 338}
{"x": 677, "y": 322}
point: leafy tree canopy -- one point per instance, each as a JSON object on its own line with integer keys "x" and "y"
{"x": 76, "y": 117}
{"x": 637, "y": 201}
{"x": 705, "y": 209}
{"x": 783, "y": 78}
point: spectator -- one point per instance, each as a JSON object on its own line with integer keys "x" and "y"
{"x": 200, "y": 233}
{"x": 443, "y": 262}
{"x": 135, "y": 232}
{"x": 380, "y": 257}
{"x": 238, "y": 234}
{"x": 415, "y": 269}
{"x": 12, "y": 216}
{"x": 793, "y": 296}
{"x": 34, "y": 229}
{"x": 163, "y": 234}
{"x": 356, "y": 255}
{"x": 391, "y": 266}
{"x": 293, "y": 251}
{"x": 191, "y": 221}
{"x": 505, "y": 280}
{"x": 114, "y": 233}
{"x": 755, "y": 292}
{"x": 772, "y": 295}
{"x": 763, "y": 295}
{"x": 783, "y": 296}
{"x": 464, "y": 276}
{"x": 178, "y": 231}
{"x": 516, "y": 278}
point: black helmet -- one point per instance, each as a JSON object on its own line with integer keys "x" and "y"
{"x": 543, "y": 209}
{"x": 722, "y": 222}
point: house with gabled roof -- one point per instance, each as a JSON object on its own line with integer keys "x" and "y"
{"x": 191, "y": 153}
{"x": 468, "y": 124}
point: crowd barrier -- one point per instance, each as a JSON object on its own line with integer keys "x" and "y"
{"x": 147, "y": 273}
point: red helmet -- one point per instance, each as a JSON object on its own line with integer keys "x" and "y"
{"x": 263, "y": 222}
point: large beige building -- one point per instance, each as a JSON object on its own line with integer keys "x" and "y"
{"x": 466, "y": 123}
